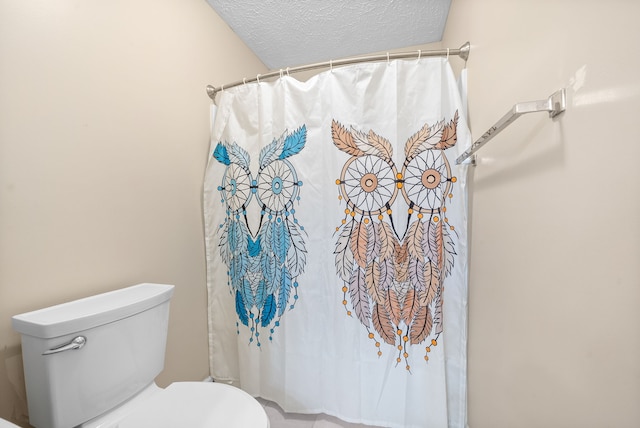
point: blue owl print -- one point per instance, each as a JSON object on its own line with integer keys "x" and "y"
{"x": 263, "y": 266}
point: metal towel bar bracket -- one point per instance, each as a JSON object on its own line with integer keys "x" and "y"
{"x": 555, "y": 105}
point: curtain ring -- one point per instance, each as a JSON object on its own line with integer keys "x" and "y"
{"x": 258, "y": 78}
{"x": 288, "y": 72}
{"x": 281, "y": 73}
{"x": 244, "y": 80}
{"x": 447, "y": 54}
{"x": 221, "y": 88}
{"x": 331, "y": 65}
{"x": 387, "y": 57}
{"x": 419, "y": 53}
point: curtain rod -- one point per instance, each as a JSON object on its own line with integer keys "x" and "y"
{"x": 462, "y": 52}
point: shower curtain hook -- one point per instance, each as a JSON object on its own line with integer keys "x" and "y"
{"x": 258, "y": 78}
{"x": 288, "y": 72}
{"x": 221, "y": 88}
{"x": 387, "y": 57}
{"x": 447, "y": 54}
{"x": 281, "y": 73}
{"x": 244, "y": 80}
{"x": 331, "y": 65}
{"x": 419, "y": 53}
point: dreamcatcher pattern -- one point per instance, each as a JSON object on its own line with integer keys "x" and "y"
{"x": 263, "y": 267}
{"x": 394, "y": 281}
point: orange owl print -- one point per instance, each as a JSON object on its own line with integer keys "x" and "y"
{"x": 393, "y": 279}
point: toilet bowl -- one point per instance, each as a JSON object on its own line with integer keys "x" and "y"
{"x": 186, "y": 404}
{"x": 93, "y": 362}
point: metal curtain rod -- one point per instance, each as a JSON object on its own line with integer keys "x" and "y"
{"x": 462, "y": 52}
{"x": 555, "y": 105}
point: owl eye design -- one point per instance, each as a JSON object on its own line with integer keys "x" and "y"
{"x": 368, "y": 183}
{"x": 427, "y": 180}
{"x": 278, "y": 186}
{"x": 236, "y": 187}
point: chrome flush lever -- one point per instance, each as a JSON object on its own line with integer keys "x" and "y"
{"x": 76, "y": 343}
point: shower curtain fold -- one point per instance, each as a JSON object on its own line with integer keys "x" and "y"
{"x": 336, "y": 243}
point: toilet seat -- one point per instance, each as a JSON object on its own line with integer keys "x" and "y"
{"x": 198, "y": 405}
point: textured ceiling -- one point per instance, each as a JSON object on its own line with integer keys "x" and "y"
{"x": 287, "y": 33}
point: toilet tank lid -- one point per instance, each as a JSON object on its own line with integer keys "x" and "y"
{"x": 93, "y": 311}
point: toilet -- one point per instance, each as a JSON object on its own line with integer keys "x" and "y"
{"x": 92, "y": 363}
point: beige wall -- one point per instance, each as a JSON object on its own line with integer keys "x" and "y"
{"x": 103, "y": 141}
{"x": 104, "y": 137}
{"x": 554, "y": 328}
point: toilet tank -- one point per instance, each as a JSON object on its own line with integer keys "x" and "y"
{"x": 120, "y": 338}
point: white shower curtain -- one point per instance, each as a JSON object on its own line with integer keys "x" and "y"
{"x": 336, "y": 243}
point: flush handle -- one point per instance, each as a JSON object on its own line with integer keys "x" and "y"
{"x": 76, "y": 343}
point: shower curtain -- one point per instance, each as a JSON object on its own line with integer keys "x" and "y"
{"x": 336, "y": 243}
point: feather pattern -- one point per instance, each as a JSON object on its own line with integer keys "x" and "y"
{"x": 272, "y": 273}
{"x": 271, "y": 152}
{"x": 372, "y": 144}
{"x": 372, "y": 277}
{"x": 392, "y": 306}
{"x": 414, "y": 240}
{"x": 449, "y": 252}
{"x": 254, "y": 272}
{"x": 382, "y": 324}
{"x": 294, "y": 142}
{"x": 432, "y": 284}
{"x": 343, "y": 139}
{"x": 401, "y": 252}
{"x": 387, "y": 273}
{"x": 410, "y": 306}
{"x": 400, "y": 258}
{"x": 433, "y": 241}
{"x": 382, "y": 145}
{"x": 239, "y": 156}
{"x": 373, "y": 243}
{"x": 247, "y": 293}
{"x": 416, "y": 273}
{"x": 449, "y": 134}
{"x": 238, "y": 269}
{"x": 225, "y": 249}
{"x": 387, "y": 240}
{"x": 439, "y": 245}
{"x": 268, "y": 311}
{"x": 344, "y": 256}
{"x": 237, "y": 237}
{"x": 359, "y": 297}
{"x": 221, "y": 155}
{"x": 258, "y": 288}
{"x": 280, "y": 240}
{"x": 374, "y": 238}
{"x": 297, "y": 255}
{"x": 421, "y": 326}
{"x": 415, "y": 140}
{"x": 344, "y": 264}
{"x": 285, "y": 289}
{"x": 241, "y": 309}
{"x": 359, "y": 242}
{"x": 425, "y": 139}
{"x": 401, "y": 288}
{"x": 437, "y": 317}
{"x": 253, "y": 247}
